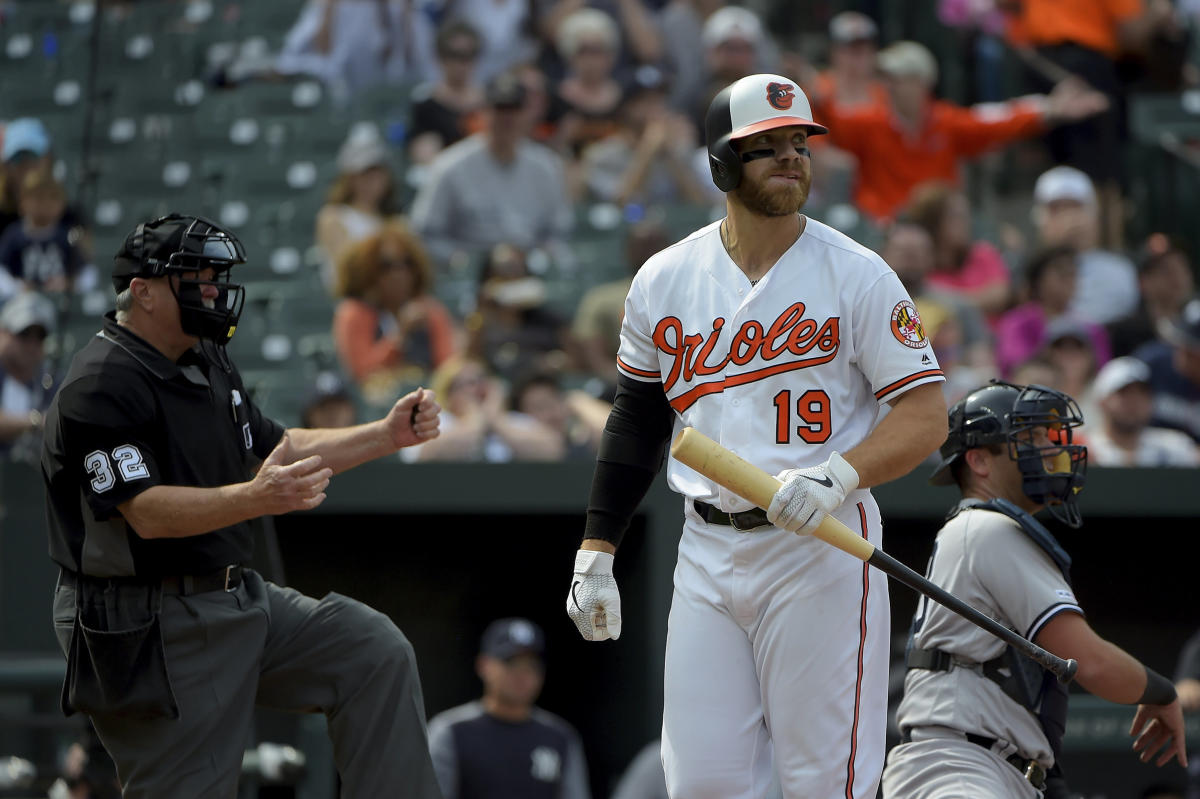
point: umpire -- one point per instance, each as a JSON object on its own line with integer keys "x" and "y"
{"x": 155, "y": 461}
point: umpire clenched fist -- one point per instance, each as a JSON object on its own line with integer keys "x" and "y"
{"x": 594, "y": 603}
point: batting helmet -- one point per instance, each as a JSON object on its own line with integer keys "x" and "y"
{"x": 1005, "y": 414}
{"x": 179, "y": 244}
{"x": 745, "y": 107}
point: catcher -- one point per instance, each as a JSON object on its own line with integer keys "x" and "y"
{"x": 977, "y": 719}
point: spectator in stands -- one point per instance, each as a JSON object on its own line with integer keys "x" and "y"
{"x": 451, "y": 108}
{"x": 1086, "y": 38}
{"x": 1071, "y": 348}
{"x": 971, "y": 268}
{"x": 506, "y": 30}
{"x": 584, "y": 104}
{"x": 502, "y": 745}
{"x": 512, "y": 329}
{"x": 494, "y": 187}
{"x": 1066, "y": 213}
{"x": 475, "y": 423}
{"x": 1175, "y": 371}
{"x": 352, "y": 45}
{"x": 919, "y": 139}
{"x": 360, "y": 201}
{"x": 954, "y": 326}
{"x": 684, "y": 48}
{"x": 26, "y": 385}
{"x": 851, "y": 82}
{"x": 37, "y": 252}
{"x": 648, "y": 159}
{"x": 1122, "y": 435}
{"x": 329, "y": 403}
{"x": 1052, "y": 277}
{"x": 388, "y": 327}
{"x": 1165, "y": 284}
{"x": 640, "y": 36}
{"x": 576, "y": 416}
{"x": 596, "y": 328}
{"x": 734, "y": 46}
{"x": 25, "y": 149}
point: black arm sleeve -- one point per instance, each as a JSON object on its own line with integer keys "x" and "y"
{"x": 632, "y": 451}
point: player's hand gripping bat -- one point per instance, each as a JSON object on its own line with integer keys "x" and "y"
{"x": 694, "y": 449}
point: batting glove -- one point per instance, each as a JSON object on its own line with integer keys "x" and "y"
{"x": 594, "y": 603}
{"x": 807, "y": 496}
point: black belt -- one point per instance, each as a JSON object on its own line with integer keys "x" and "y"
{"x": 224, "y": 579}
{"x": 1031, "y": 770}
{"x": 742, "y": 522}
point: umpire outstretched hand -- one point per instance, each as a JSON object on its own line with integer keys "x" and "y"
{"x": 284, "y": 484}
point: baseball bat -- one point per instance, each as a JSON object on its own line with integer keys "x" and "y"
{"x": 694, "y": 449}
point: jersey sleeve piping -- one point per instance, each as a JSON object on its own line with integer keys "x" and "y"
{"x": 644, "y": 375}
{"x": 1048, "y": 614}
{"x": 893, "y": 390}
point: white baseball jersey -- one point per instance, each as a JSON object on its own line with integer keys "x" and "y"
{"x": 783, "y": 372}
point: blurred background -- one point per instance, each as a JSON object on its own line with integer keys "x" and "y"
{"x": 456, "y": 194}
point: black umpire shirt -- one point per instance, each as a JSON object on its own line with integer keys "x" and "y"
{"x": 126, "y": 419}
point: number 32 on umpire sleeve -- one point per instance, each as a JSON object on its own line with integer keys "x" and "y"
{"x": 129, "y": 464}
{"x": 813, "y": 409}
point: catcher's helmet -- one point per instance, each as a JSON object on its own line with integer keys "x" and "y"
{"x": 1006, "y": 414}
{"x": 177, "y": 244}
{"x": 745, "y": 107}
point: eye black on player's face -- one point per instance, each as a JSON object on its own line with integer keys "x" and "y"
{"x": 776, "y": 171}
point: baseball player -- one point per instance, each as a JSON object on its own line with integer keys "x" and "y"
{"x": 785, "y": 341}
{"x": 977, "y": 719}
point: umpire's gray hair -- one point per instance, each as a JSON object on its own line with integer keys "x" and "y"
{"x": 124, "y": 303}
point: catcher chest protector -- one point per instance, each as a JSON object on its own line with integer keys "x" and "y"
{"x": 748, "y": 106}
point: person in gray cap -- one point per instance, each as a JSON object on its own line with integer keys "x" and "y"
{"x": 501, "y": 745}
{"x": 26, "y": 386}
{"x": 1124, "y": 436}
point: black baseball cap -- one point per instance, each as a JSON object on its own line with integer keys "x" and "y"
{"x": 506, "y": 91}
{"x": 507, "y": 638}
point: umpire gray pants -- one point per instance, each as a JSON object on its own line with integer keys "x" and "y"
{"x": 276, "y": 648}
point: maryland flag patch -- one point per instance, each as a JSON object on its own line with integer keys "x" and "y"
{"x": 907, "y": 327}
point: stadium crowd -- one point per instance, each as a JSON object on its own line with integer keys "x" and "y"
{"x": 520, "y": 114}
{"x": 991, "y": 169}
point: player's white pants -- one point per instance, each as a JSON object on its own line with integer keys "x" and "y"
{"x": 942, "y": 768}
{"x": 779, "y": 642}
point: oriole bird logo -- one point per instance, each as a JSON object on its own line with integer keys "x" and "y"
{"x": 780, "y": 95}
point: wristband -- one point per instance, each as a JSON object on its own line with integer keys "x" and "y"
{"x": 1159, "y": 690}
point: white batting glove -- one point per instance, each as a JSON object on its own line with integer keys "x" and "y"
{"x": 594, "y": 603}
{"x": 807, "y": 496}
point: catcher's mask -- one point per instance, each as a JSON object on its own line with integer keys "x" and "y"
{"x": 177, "y": 245}
{"x": 1052, "y": 468}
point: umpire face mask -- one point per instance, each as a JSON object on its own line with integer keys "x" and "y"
{"x": 208, "y": 309}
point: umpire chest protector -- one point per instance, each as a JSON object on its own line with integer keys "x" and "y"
{"x": 1021, "y": 678}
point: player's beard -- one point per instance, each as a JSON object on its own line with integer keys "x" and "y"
{"x": 767, "y": 200}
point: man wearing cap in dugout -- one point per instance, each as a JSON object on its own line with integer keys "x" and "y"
{"x": 501, "y": 745}
{"x": 155, "y": 462}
